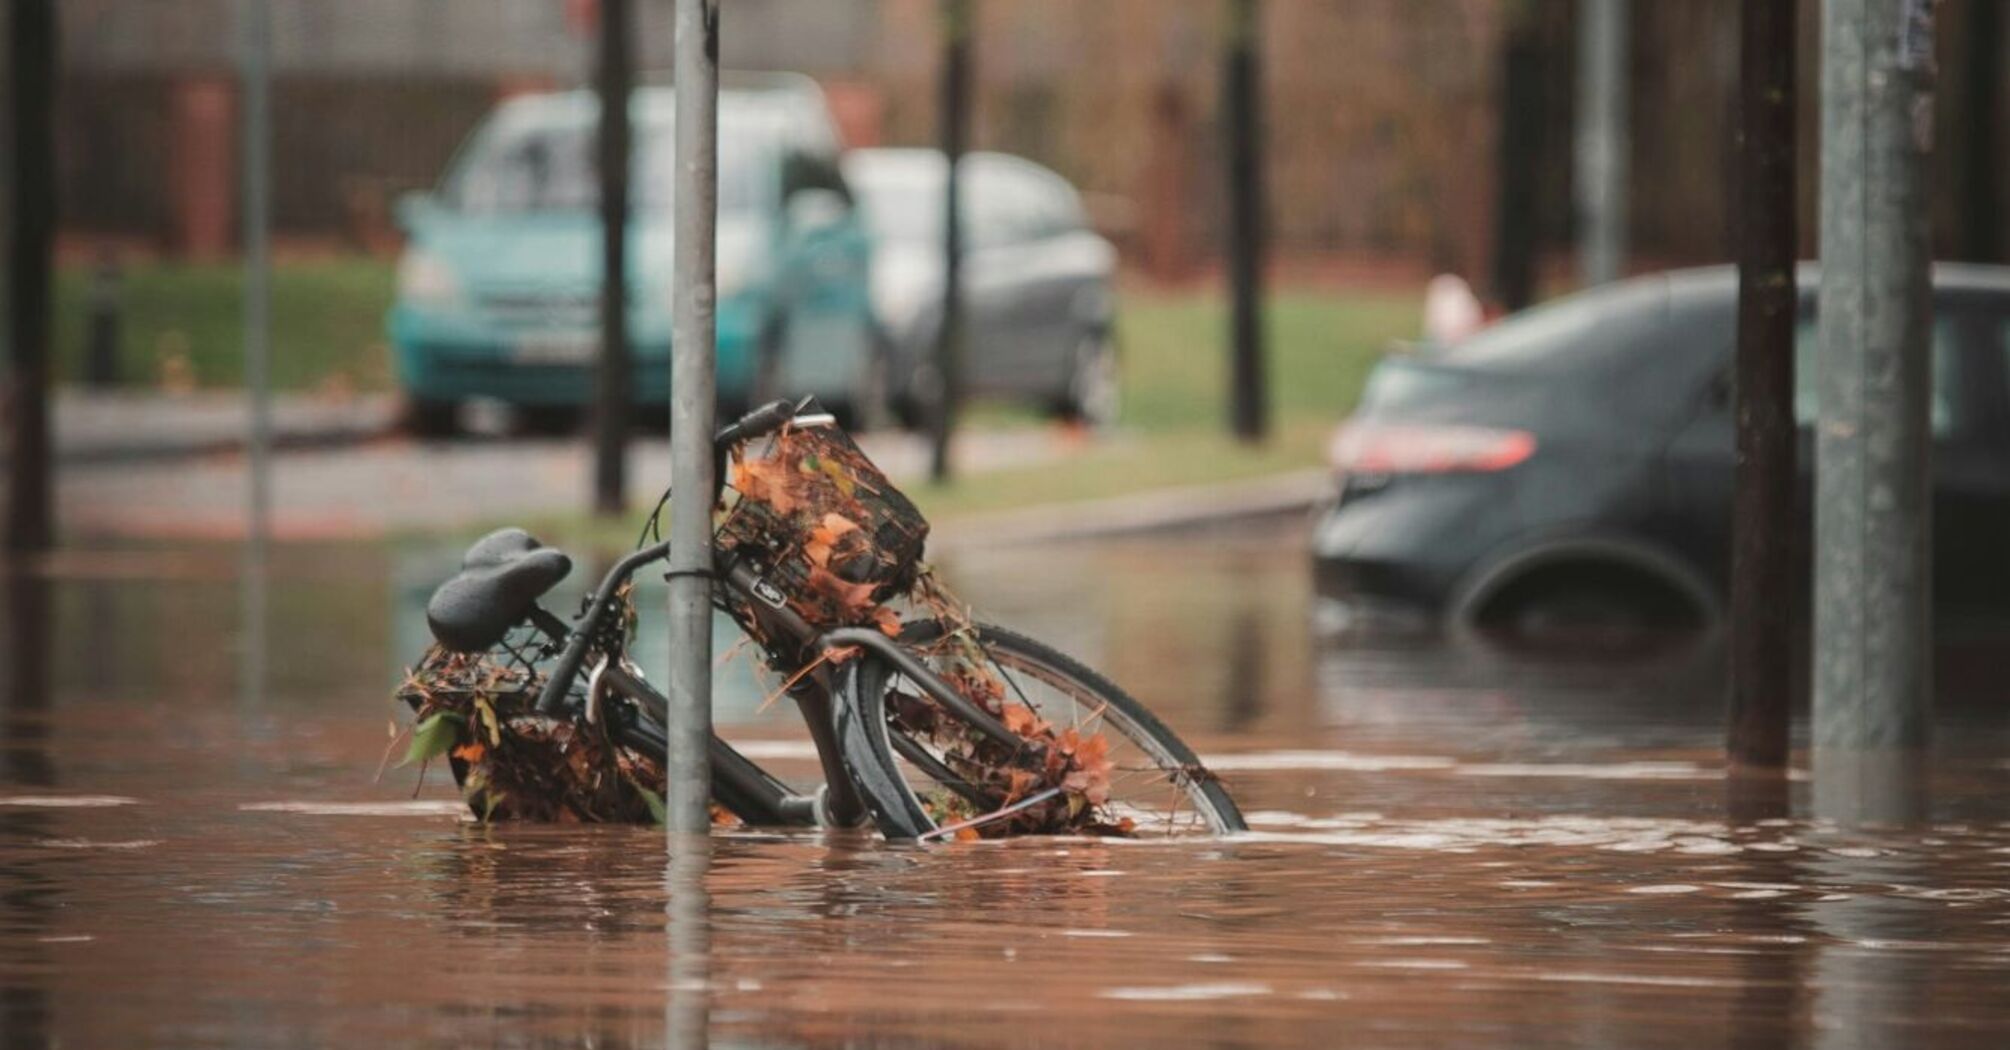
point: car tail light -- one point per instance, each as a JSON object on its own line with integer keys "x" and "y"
{"x": 1363, "y": 448}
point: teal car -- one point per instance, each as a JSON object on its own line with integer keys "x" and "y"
{"x": 498, "y": 288}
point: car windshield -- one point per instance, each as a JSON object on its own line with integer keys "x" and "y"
{"x": 903, "y": 204}
{"x": 520, "y": 167}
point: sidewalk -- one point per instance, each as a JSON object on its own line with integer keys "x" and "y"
{"x": 397, "y": 484}
{"x": 127, "y": 426}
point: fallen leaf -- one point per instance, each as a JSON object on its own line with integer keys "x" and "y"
{"x": 854, "y": 600}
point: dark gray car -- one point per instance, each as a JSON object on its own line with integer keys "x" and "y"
{"x": 1574, "y": 463}
{"x": 1038, "y": 281}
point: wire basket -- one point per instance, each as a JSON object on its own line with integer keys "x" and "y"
{"x": 824, "y": 525}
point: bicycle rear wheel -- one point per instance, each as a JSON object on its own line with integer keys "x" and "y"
{"x": 911, "y": 760}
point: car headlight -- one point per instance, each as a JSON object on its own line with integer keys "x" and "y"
{"x": 425, "y": 280}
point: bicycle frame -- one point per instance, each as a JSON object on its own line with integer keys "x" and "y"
{"x": 735, "y": 779}
{"x": 743, "y": 785}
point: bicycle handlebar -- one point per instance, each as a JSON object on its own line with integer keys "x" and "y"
{"x": 758, "y": 423}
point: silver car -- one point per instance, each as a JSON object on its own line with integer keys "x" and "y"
{"x": 1038, "y": 283}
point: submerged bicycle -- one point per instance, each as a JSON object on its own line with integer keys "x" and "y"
{"x": 924, "y": 722}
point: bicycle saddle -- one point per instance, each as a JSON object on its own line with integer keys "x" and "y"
{"x": 501, "y": 577}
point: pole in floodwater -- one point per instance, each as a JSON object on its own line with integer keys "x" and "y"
{"x": 1242, "y": 109}
{"x": 688, "y": 791}
{"x": 256, "y": 78}
{"x": 1873, "y": 452}
{"x": 1602, "y": 139}
{"x": 612, "y": 402}
{"x": 31, "y": 215}
{"x": 955, "y": 131}
{"x": 255, "y": 72}
{"x": 1763, "y": 596}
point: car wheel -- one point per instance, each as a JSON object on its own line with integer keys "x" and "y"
{"x": 1590, "y": 617}
{"x": 548, "y": 420}
{"x": 1095, "y": 390}
{"x": 427, "y": 418}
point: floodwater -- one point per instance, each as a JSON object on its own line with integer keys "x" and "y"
{"x": 1451, "y": 848}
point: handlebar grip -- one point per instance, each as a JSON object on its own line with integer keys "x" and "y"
{"x": 754, "y": 424}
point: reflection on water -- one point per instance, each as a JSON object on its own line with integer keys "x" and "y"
{"x": 1450, "y": 848}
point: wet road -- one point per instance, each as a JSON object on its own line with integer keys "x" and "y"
{"x": 1451, "y": 848}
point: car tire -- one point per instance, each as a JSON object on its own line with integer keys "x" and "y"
{"x": 428, "y": 418}
{"x": 549, "y": 420}
{"x": 1590, "y": 618}
{"x": 1094, "y": 392}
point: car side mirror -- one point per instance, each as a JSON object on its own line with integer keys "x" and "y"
{"x": 414, "y": 209}
{"x": 813, "y": 210}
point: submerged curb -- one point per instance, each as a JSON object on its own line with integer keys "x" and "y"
{"x": 1187, "y": 506}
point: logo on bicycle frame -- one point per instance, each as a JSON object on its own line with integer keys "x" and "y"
{"x": 769, "y": 593}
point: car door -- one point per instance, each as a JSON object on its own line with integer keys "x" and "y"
{"x": 1060, "y": 260}
{"x": 1963, "y": 467}
{"x": 1969, "y": 468}
{"x": 994, "y": 278}
{"x": 1971, "y": 508}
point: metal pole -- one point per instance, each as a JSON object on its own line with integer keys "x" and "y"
{"x": 24, "y": 399}
{"x": 692, "y": 378}
{"x": 1873, "y": 458}
{"x": 1602, "y": 136}
{"x": 1763, "y": 598}
{"x": 1518, "y": 182}
{"x": 956, "y": 27}
{"x": 1242, "y": 81}
{"x": 256, "y": 23}
{"x": 257, "y": 218}
{"x": 611, "y": 397}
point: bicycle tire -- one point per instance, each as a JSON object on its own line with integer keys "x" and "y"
{"x": 867, "y": 730}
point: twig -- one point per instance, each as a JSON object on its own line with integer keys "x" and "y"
{"x": 995, "y": 815}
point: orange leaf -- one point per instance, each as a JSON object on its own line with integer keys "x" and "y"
{"x": 887, "y": 620}
{"x": 766, "y": 481}
{"x": 470, "y": 752}
{"x": 854, "y": 599}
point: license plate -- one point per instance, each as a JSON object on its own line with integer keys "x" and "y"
{"x": 557, "y": 349}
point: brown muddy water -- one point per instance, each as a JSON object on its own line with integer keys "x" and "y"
{"x": 1452, "y": 847}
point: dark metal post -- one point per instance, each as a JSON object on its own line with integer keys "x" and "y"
{"x": 612, "y": 401}
{"x": 692, "y": 380}
{"x": 1517, "y": 184}
{"x": 956, "y": 28}
{"x": 1873, "y": 457}
{"x": 255, "y": 23}
{"x": 101, "y": 324}
{"x": 1242, "y": 110}
{"x": 1982, "y": 137}
{"x": 24, "y": 401}
{"x": 1602, "y": 138}
{"x": 1762, "y": 526}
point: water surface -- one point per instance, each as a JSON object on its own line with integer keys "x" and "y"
{"x": 1451, "y": 847}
